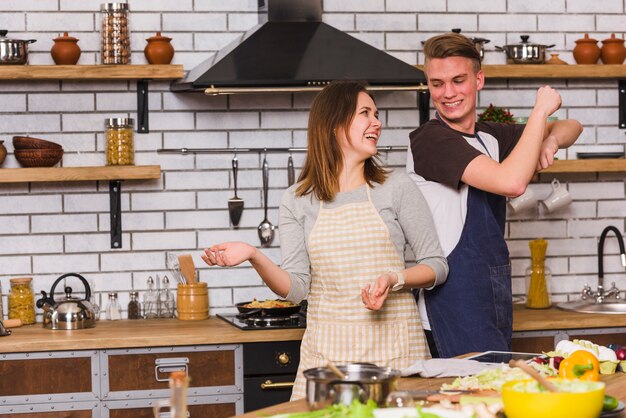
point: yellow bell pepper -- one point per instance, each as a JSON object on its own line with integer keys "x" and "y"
{"x": 581, "y": 365}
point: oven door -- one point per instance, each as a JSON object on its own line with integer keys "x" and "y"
{"x": 261, "y": 392}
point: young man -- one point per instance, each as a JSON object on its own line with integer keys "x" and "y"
{"x": 465, "y": 170}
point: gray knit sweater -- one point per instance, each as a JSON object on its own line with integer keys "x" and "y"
{"x": 401, "y": 206}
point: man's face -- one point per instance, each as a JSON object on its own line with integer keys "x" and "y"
{"x": 453, "y": 85}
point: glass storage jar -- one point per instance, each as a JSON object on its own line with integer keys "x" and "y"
{"x": 538, "y": 276}
{"x": 119, "y": 141}
{"x": 22, "y": 300}
{"x": 115, "y": 36}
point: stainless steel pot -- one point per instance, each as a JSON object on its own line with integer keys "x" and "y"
{"x": 479, "y": 43}
{"x": 525, "y": 52}
{"x": 13, "y": 51}
{"x": 69, "y": 313}
{"x": 361, "y": 382}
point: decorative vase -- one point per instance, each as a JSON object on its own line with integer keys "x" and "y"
{"x": 613, "y": 50}
{"x": 65, "y": 50}
{"x": 586, "y": 50}
{"x": 555, "y": 60}
{"x": 3, "y": 152}
{"x": 159, "y": 49}
{"x": 538, "y": 276}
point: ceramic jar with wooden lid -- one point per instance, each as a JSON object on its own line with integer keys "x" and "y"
{"x": 65, "y": 50}
{"x": 613, "y": 50}
{"x": 159, "y": 49}
{"x": 586, "y": 50}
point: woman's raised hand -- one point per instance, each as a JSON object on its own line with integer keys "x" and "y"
{"x": 374, "y": 295}
{"x": 228, "y": 254}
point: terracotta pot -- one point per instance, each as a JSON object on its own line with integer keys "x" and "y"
{"x": 555, "y": 60}
{"x": 3, "y": 152}
{"x": 613, "y": 50}
{"x": 586, "y": 50}
{"x": 159, "y": 49}
{"x": 65, "y": 50}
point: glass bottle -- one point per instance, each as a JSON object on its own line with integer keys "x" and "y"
{"x": 134, "y": 308}
{"x": 22, "y": 300}
{"x": 538, "y": 276}
{"x": 166, "y": 305}
{"x": 114, "y": 36}
{"x": 94, "y": 305}
{"x": 113, "y": 309}
{"x": 177, "y": 402}
{"x": 120, "y": 145}
{"x": 1, "y": 305}
{"x": 150, "y": 301}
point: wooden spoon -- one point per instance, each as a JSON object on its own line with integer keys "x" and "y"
{"x": 336, "y": 371}
{"x": 187, "y": 268}
{"x": 534, "y": 374}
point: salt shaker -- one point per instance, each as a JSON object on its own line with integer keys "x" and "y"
{"x": 113, "y": 309}
{"x": 134, "y": 308}
{"x": 150, "y": 301}
{"x": 166, "y": 299}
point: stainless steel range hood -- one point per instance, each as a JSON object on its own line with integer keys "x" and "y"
{"x": 291, "y": 49}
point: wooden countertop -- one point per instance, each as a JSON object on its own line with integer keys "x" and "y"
{"x": 173, "y": 332}
{"x": 138, "y": 333}
{"x": 615, "y": 386}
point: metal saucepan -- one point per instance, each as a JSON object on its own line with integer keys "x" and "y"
{"x": 362, "y": 382}
{"x": 479, "y": 43}
{"x": 286, "y": 311}
{"x": 13, "y": 51}
{"x": 525, "y": 52}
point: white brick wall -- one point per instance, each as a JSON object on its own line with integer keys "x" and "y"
{"x": 47, "y": 229}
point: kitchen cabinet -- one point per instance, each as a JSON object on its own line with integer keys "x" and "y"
{"x": 120, "y": 382}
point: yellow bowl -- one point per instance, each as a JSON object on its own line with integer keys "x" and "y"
{"x": 521, "y": 402}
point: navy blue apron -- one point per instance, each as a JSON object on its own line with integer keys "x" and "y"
{"x": 473, "y": 311}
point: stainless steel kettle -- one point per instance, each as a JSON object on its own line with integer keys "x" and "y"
{"x": 69, "y": 313}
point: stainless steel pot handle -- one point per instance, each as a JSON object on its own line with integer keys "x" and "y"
{"x": 268, "y": 384}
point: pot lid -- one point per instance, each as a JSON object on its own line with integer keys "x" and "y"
{"x": 3, "y": 37}
{"x": 474, "y": 40}
{"x": 158, "y": 37}
{"x": 525, "y": 42}
{"x": 65, "y": 37}
{"x": 586, "y": 39}
{"x": 612, "y": 39}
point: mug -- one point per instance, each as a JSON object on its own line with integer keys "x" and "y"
{"x": 558, "y": 199}
{"x": 523, "y": 202}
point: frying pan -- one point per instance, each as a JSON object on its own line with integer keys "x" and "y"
{"x": 286, "y": 311}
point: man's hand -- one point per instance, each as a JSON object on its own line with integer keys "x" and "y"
{"x": 548, "y": 100}
{"x": 549, "y": 147}
{"x": 374, "y": 295}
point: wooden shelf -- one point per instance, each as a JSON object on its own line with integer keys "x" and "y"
{"x": 90, "y": 72}
{"x": 53, "y": 174}
{"x": 553, "y": 71}
{"x": 612, "y": 165}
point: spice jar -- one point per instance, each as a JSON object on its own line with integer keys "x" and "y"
{"x": 134, "y": 308}
{"x": 113, "y": 309}
{"x": 538, "y": 276}
{"x": 22, "y": 300}
{"x": 119, "y": 141}
{"x": 115, "y": 37}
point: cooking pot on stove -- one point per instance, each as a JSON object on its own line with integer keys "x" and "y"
{"x": 525, "y": 52}
{"x": 363, "y": 381}
{"x": 69, "y": 313}
{"x": 13, "y": 51}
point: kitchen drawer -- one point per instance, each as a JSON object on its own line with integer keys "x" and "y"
{"x": 52, "y": 410}
{"x": 276, "y": 357}
{"x": 143, "y": 373}
{"x": 56, "y": 376}
{"x": 198, "y": 407}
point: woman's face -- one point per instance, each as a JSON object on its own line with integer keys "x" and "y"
{"x": 364, "y": 130}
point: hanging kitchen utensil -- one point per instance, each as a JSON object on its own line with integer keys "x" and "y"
{"x": 235, "y": 204}
{"x": 266, "y": 229}
{"x": 291, "y": 172}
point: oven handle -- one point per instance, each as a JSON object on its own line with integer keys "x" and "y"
{"x": 268, "y": 384}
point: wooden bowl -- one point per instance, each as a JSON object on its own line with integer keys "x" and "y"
{"x": 38, "y": 157}
{"x": 27, "y": 142}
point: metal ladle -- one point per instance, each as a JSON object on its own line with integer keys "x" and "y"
{"x": 266, "y": 229}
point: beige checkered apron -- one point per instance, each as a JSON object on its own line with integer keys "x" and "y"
{"x": 350, "y": 247}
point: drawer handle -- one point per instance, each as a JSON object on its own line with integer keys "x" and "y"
{"x": 268, "y": 384}
{"x": 164, "y": 366}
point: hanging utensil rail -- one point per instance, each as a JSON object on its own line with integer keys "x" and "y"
{"x": 257, "y": 150}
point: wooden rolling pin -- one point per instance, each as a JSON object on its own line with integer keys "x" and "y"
{"x": 187, "y": 268}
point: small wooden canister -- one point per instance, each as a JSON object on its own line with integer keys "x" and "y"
{"x": 193, "y": 301}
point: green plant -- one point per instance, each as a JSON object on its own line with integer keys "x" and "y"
{"x": 496, "y": 114}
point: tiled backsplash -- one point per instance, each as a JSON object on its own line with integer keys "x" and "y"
{"x": 47, "y": 229}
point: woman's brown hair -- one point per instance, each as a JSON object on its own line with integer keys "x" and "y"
{"x": 332, "y": 109}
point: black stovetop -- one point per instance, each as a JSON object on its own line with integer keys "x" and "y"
{"x": 262, "y": 323}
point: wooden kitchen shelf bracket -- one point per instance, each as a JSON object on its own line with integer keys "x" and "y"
{"x": 143, "y": 126}
{"x": 115, "y": 212}
{"x": 622, "y": 102}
